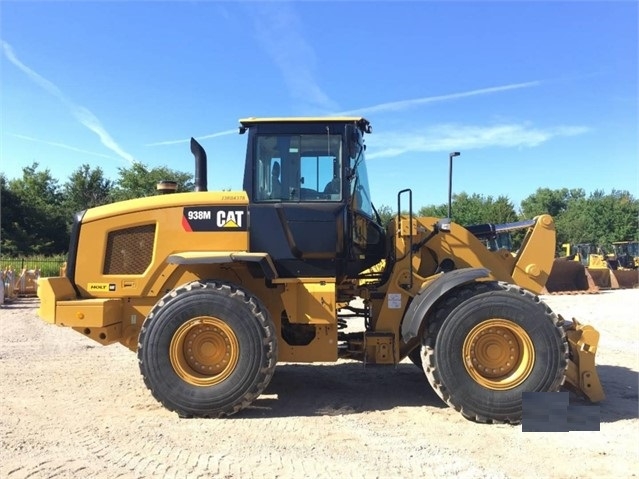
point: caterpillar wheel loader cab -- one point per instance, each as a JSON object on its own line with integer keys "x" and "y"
{"x": 212, "y": 289}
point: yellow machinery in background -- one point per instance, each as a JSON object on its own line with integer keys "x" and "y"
{"x": 213, "y": 289}
{"x": 589, "y": 268}
{"x": 627, "y": 254}
{"x": 626, "y": 263}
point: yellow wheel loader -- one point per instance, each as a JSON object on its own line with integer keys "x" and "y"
{"x": 627, "y": 254}
{"x": 626, "y": 263}
{"x": 213, "y": 289}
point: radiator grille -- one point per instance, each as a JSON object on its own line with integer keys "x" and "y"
{"x": 129, "y": 250}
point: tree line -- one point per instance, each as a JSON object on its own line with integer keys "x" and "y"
{"x": 37, "y": 210}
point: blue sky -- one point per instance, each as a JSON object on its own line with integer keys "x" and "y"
{"x": 533, "y": 94}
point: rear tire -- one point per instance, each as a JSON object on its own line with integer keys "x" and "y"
{"x": 207, "y": 349}
{"x": 487, "y": 344}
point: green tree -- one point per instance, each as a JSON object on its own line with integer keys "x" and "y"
{"x": 609, "y": 217}
{"x": 547, "y": 201}
{"x": 474, "y": 209}
{"x": 572, "y": 225}
{"x": 33, "y": 221}
{"x": 138, "y": 181}
{"x": 12, "y": 233}
{"x": 86, "y": 188}
{"x": 501, "y": 210}
{"x": 437, "y": 211}
{"x": 386, "y": 214}
{"x": 598, "y": 219}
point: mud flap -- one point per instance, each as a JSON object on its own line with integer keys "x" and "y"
{"x": 581, "y": 375}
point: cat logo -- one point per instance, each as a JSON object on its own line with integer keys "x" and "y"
{"x": 207, "y": 218}
{"x": 230, "y": 219}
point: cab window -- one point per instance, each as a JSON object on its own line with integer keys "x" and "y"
{"x": 298, "y": 168}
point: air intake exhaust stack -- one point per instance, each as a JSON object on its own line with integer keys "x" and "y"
{"x": 200, "y": 165}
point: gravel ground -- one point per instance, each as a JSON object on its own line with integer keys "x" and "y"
{"x": 72, "y": 408}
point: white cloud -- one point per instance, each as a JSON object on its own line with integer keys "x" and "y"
{"x": 449, "y": 137}
{"x": 212, "y": 135}
{"x": 82, "y": 114}
{"x": 279, "y": 32}
{"x": 405, "y": 104}
{"x": 59, "y": 145}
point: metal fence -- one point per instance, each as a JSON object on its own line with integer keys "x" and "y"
{"x": 20, "y": 275}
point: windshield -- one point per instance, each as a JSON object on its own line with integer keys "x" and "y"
{"x": 298, "y": 167}
{"x": 631, "y": 248}
{"x": 360, "y": 191}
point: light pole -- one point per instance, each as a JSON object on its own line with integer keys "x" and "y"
{"x": 450, "y": 179}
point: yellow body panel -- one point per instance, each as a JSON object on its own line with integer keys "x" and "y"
{"x": 98, "y": 318}
{"x": 166, "y": 213}
{"x": 322, "y": 348}
{"x": 310, "y": 302}
{"x": 530, "y": 267}
{"x": 152, "y": 203}
{"x": 106, "y": 335}
{"x": 89, "y": 313}
{"x": 533, "y": 261}
{"x": 50, "y": 291}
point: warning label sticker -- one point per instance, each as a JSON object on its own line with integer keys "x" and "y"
{"x": 394, "y": 301}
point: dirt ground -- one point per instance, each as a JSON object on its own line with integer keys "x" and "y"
{"x": 72, "y": 408}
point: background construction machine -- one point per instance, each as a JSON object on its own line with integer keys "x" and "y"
{"x": 212, "y": 289}
{"x": 590, "y": 268}
{"x": 626, "y": 263}
{"x": 627, "y": 254}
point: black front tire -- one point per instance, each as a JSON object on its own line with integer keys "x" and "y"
{"x": 486, "y": 344}
{"x": 207, "y": 349}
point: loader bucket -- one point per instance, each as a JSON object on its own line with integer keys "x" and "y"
{"x": 603, "y": 278}
{"x": 626, "y": 278}
{"x": 569, "y": 276}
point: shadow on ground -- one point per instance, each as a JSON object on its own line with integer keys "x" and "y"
{"x": 342, "y": 388}
{"x": 621, "y": 386}
{"x": 350, "y": 388}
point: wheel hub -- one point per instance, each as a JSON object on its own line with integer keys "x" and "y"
{"x": 498, "y": 354}
{"x": 204, "y": 351}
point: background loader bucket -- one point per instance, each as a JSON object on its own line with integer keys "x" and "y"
{"x": 626, "y": 278}
{"x": 569, "y": 276}
{"x": 603, "y": 278}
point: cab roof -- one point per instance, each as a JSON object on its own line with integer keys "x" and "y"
{"x": 363, "y": 123}
{"x": 300, "y": 119}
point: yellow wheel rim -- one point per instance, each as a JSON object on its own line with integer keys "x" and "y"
{"x": 204, "y": 351}
{"x": 498, "y": 354}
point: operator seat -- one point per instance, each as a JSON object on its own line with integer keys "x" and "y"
{"x": 332, "y": 187}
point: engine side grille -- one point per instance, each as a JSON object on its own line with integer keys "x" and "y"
{"x": 129, "y": 250}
